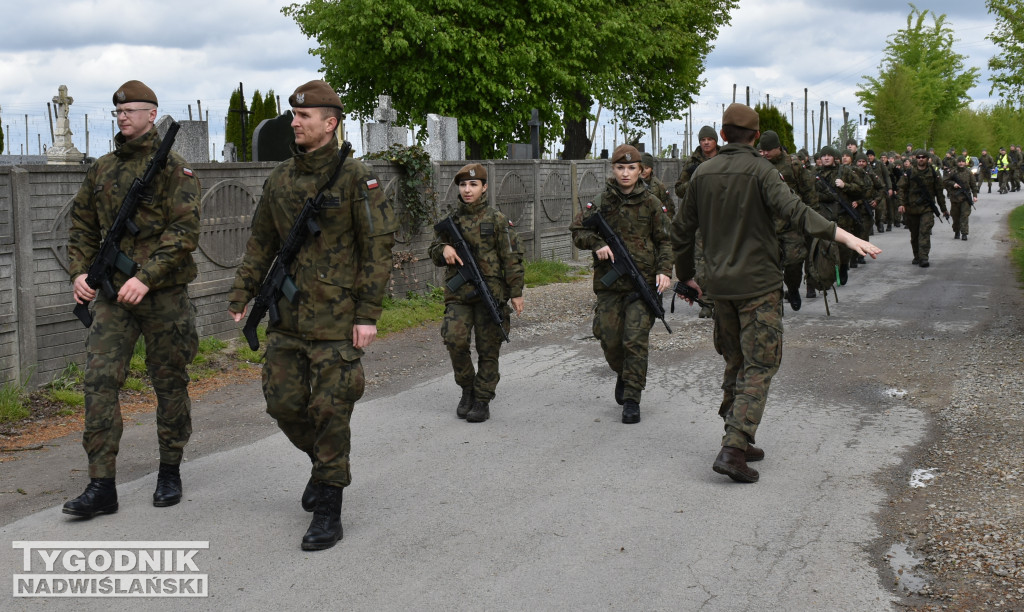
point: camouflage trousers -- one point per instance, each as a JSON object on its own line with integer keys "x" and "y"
{"x": 847, "y": 222}
{"x": 748, "y": 334}
{"x": 460, "y": 322}
{"x": 622, "y": 323}
{"x": 920, "y": 226}
{"x": 165, "y": 318}
{"x": 311, "y": 387}
{"x": 960, "y": 213}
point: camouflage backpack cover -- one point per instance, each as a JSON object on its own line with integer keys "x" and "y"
{"x": 823, "y": 267}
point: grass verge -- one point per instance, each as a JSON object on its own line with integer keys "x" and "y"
{"x": 547, "y": 272}
{"x": 1017, "y": 236}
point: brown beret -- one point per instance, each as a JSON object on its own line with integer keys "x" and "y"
{"x": 134, "y": 91}
{"x": 471, "y": 171}
{"x": 741, "y": 115}
{"x": 625, "y": 154}
{"x": 707, "y": 132}
{"x": 315, "y": 94}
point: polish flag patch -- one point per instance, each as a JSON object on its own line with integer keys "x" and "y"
{"x": 187, "y": 171}
{"x": 372, "y": 184}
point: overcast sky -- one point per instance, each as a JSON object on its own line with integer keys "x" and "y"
{"x": 189, "y": 50}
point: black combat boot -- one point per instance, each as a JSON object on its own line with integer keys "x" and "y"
{"x": 956, "y": 235}
{"x": 630, "y": 412}
{"x": 310, "y": 496}
{"x": 620, "y": 388}
{"x": 325, "y": 528}
{"x": 810, "y": 292}
{"x": 854, "y": 263}
{"x": 100, "y": 497}
{"x": 861, "y": 260}
{"x": 168, "y": 486}
{"x": 963, "y": 236}
{"x": 844, "y": 274}
{"x": 465, "y": 403}
{"x": 479, "y": 413}
{"x": 793, "y": 295}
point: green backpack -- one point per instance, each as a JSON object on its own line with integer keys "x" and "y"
{"x": 823, "y": 268}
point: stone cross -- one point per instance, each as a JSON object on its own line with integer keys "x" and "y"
{"x": 63, "y": 150}
{"x": 381, "y": 135}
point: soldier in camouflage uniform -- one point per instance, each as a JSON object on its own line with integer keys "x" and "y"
{"x": 708, "y": 141}
{"x": 985, "y": 165}
{"x": 740, "y": 195}
{"x": 313, "y": 374}
{"x": 154, "y": 302}
{"x": 793, "y": 242}
{"x": 918, "y": 188}
{"x": 962, "y": 187}
{"x": 655, "y": 185}
{"x": 622, "y": 322}
{"x": 883, "y": 212}
{"x": 495, "y": 246}
{"x": 874, "y": 192}
{"x": 831, "y": 177}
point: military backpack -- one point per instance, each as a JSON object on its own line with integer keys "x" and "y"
{"x": 823, "y": 268}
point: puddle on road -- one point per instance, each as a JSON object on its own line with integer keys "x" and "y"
{"x": 903, "y": 562}
{"x": 896, "y": 393}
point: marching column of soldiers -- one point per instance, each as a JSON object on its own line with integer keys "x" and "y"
{"x": 743, "y": 236}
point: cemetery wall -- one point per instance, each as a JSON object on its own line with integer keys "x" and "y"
{"x": 39, "y": 334}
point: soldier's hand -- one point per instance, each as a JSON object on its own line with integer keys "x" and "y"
{"x": 901, "y": 210}
{"x": 517, "y": 305}
{"x": 605, "y": 252}
{"x": 82, "y": 291}
{"x": 132, "y": 291}
{"x": 956, "y": 186}
{"x": 840, "y": 184}
{"x": 692, "y": 283}
{"x": 238, "y": 316}
{"x": 451, "y": 257}
{"x": 663, "y": 282}
{"x": 363, "y": 335}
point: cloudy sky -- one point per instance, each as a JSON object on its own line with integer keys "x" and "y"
{"x": 190, "y": 51}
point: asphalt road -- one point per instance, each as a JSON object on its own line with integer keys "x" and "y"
{"x": 553, "y": 503}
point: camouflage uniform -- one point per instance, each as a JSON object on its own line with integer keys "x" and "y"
{"x": 986, "y": 163}
{"x": 622, "y": 322}
{"x": 744, "y": 272}
{"x": 313, "y": 374}
{"x": 1003, "y": 167}
{"x": 658, "y": 189}
{"x": 689, "y": 168}
{"x": 495, "y": 245}
{"x": 917, "y": 188}
{"x": 883, "y": 213}
{"x": 168, "y": 220}
{"x": 852, "y": 190}
{"x": 793, "y": 242}
{"x": 959, "y": 203}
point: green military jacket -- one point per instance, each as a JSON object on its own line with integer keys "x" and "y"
{"x": 825, "y": 178}
{"x": 342, "y": 274}
{"x": 734, "y": 199}
{"x": 967, "y": 181}
{"x": 689, "y": 167}
{"x": 882, "y": 172}
{"x": 917, "y": 188}
{"x": 658, "y": 189}
{"x": 641, "y": 223}
{"x": 986, "y": 162}
{"x": 800, "y": 181}
{"x": 167, "y": 215}
{"x": 495, "y": 246}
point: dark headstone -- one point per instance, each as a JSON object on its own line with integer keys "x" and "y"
{"x": 534, "y": 124}
{"x": 273, "y": 139}
{"x": 604, "y": 153}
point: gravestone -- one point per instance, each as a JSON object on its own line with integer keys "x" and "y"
{"x": 192, "y": 141}
{"x": 519, "y": 150}
{"x": 443, "y": 138}
{"x": 229, "y": 153}
{"x": 273, "y": 139}
{"x": 534, "y": 124}
{"x": 63, "y": 150}
{"x": 382, "y": 134}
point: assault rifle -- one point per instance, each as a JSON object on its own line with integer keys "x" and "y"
{"x": 278, "y": 282}
{"x": 623, "y": 265}
{"x": 923, "y": 197}
{"x": 110, "y": 257}
{"x": 469, "y": 271}
{"x": 847, "y": 207}
{"x": 966, "y": 190}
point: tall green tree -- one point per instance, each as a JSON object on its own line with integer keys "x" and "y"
{"x": 489, "y": 64}
{"x": 233, "y": 122}
{"x": 771, "y": 118}
{"x": 1008, "y": 66}
{"x": 269, "y": 105}
{"x": 933, "y": 78}
{"x": 256, "y": 114}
